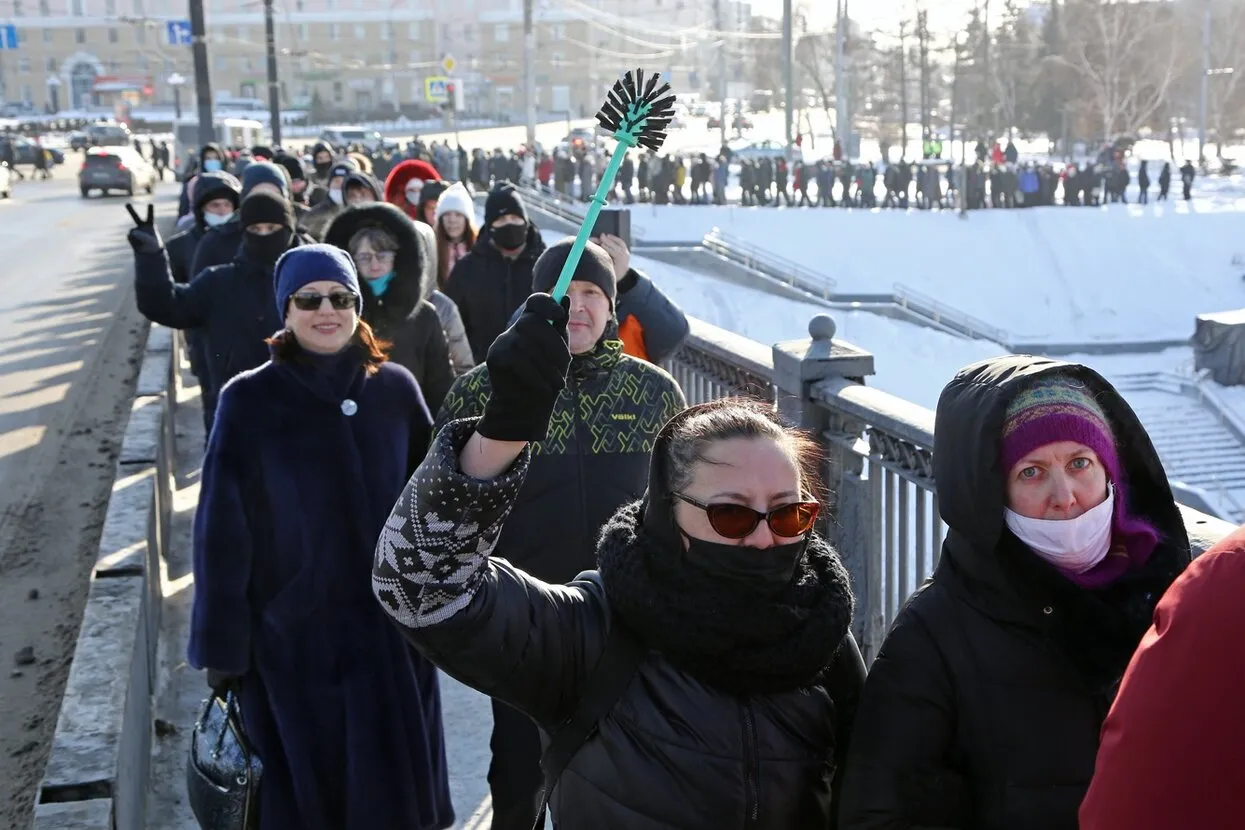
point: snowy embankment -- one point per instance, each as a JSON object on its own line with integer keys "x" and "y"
{"x": 1123, "y": 273}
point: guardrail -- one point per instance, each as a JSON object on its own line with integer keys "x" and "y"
{"x": 769, "y": 264}
{"x": 884, "y": 516}
{"x": 98, "y": 769}
{"x": 948, "y": 317}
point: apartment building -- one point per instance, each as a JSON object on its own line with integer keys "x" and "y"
{"x": 352, "y": 55}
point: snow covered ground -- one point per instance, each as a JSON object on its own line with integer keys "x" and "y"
{"x": 1117, "y": 273}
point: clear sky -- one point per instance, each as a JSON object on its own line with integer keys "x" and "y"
{"x": 944, "y": 15}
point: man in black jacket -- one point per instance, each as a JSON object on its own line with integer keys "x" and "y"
{"x": 220, "y": 245}
{"x": 232, "y": 304}
{"x": 495, "y": 276}
{"x": 216, "y": 199}
{"x": 594, "y": 457}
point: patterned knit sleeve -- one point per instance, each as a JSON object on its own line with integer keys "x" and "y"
{"x": 434, "y": 549}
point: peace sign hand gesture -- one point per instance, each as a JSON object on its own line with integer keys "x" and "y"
{"x": 143, "y": 237}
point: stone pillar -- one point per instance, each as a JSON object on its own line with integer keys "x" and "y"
{"x": 850, "y": 520}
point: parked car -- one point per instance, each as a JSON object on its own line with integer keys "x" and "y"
{"x": 579, "y": 139}
{"x": 341, "y": 137}
{"x": 109, "y": 135}
{"x": 758, "y": 150}
{"x": 739, "y": 122}
{"x": 6, "y": 181}
{"x": 24, "y": 152}
{"x": 115, "y": 168}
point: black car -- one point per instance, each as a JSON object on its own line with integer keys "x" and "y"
{"x": 24, "y": 152}
{"x": 115, "y": 168}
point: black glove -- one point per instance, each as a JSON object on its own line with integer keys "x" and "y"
{"x": 143, "y": 237}
{"x": 220, "y": 683}
{"x": 527, "y": 366}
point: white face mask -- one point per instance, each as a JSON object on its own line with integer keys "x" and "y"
{"x": 335, "y": 194}
{"x": 1074, "y": 545}
{"x": 212, "y": 220}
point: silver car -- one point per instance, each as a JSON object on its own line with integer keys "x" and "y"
{"x": 115, "y": 168}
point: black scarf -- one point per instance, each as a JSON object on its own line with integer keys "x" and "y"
{"x": 729, "y": 636}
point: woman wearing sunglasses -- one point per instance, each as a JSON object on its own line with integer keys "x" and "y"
{"x": 984, "y": 706}
{"x": 706, "y": 670}
{"x": 307, "y": 455}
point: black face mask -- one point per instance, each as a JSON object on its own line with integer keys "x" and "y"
{"x": 510, "y": 236}
{"x": 769, "y": 569}
{"x": 266, "y": 249}
{"x": 323, "y": 167}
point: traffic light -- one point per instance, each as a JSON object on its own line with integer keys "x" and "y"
{"x": 448, "y": 105}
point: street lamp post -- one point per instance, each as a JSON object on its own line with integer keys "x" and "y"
{"x": 177, "y": 81}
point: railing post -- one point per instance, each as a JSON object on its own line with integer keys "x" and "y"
{"x": 798, "y": 366}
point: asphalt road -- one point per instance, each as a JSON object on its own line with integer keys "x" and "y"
{"x": 70, "y": 341}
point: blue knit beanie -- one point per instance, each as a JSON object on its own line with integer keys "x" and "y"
{"x": 265, "y": 172}
{"x": 312, "y": 263}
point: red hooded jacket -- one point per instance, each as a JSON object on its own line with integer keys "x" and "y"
{"x": 395, "y": 183}
{"x": 1171, "y": 753}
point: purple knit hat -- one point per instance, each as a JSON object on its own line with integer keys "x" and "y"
{"x": 1056, "y": 408}
{"x": 1059, "y": 408}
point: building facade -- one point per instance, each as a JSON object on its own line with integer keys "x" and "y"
{"x": 352, "y": 56}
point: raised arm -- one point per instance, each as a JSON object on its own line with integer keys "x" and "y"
{"x": 159, "y": 297}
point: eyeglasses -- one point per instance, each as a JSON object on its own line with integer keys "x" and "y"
{"x": 380, "y": 258}
{"x": 737, "y": 521}
{"x": 340, "y": 300}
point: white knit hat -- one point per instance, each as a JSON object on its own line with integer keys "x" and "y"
{"x": 456, "y": 198}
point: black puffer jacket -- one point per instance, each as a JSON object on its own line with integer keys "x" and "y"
{"x": 487, "y": 288}
{"x": 984, "y": 705}
{"x": 673, "y": 752}
{"x": 402, "y": 316}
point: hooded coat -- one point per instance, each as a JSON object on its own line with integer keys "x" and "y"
{"x": 487, "y": 287}
{"x": 344, "y": 715}
{"x": 984, "y": 705}
{"x": 183, "y": 200}
{"x": 403, "y": 172}
{"x": 402, "y": 316}
{"x": 233, "y": 304}
{"x": 673, "y": 751}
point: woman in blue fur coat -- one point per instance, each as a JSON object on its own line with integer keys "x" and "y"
{"x": 308, "y": 454}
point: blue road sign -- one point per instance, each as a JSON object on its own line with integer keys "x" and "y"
{"x": 8, "y": 36}
{"x": 179, "y": 33}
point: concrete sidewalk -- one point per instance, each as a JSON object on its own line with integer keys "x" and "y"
{"x": 467, "y": 714}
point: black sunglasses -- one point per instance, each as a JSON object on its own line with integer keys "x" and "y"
{"x": 737, "y": 521}
{"x": 340, "y": 300}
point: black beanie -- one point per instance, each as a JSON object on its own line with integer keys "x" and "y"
{"x": 504, "y": 200}
{"x": 595, "y": 266}
{"x": 266, "y": 207}
{"x": 432, "y": 191}
{"x": 292, "y": 166}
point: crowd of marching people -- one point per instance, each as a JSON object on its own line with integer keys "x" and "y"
{"x": 418, "y": 459}
{"x": 997, "y": 178}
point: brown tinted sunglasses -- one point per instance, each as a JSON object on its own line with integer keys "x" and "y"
{"x": 737, "y": 521}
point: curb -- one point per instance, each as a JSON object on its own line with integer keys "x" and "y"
{"x": 98, "y": 769}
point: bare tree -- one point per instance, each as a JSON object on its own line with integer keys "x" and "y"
{"x": 814, "y": 55}
{"x": 1127, "y": 57}
{"x": 1227, "y": 44}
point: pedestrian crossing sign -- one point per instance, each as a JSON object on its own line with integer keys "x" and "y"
{"x": 436, "y": 89}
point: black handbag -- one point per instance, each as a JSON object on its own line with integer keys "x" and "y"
{"x": 223, "y": 771}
